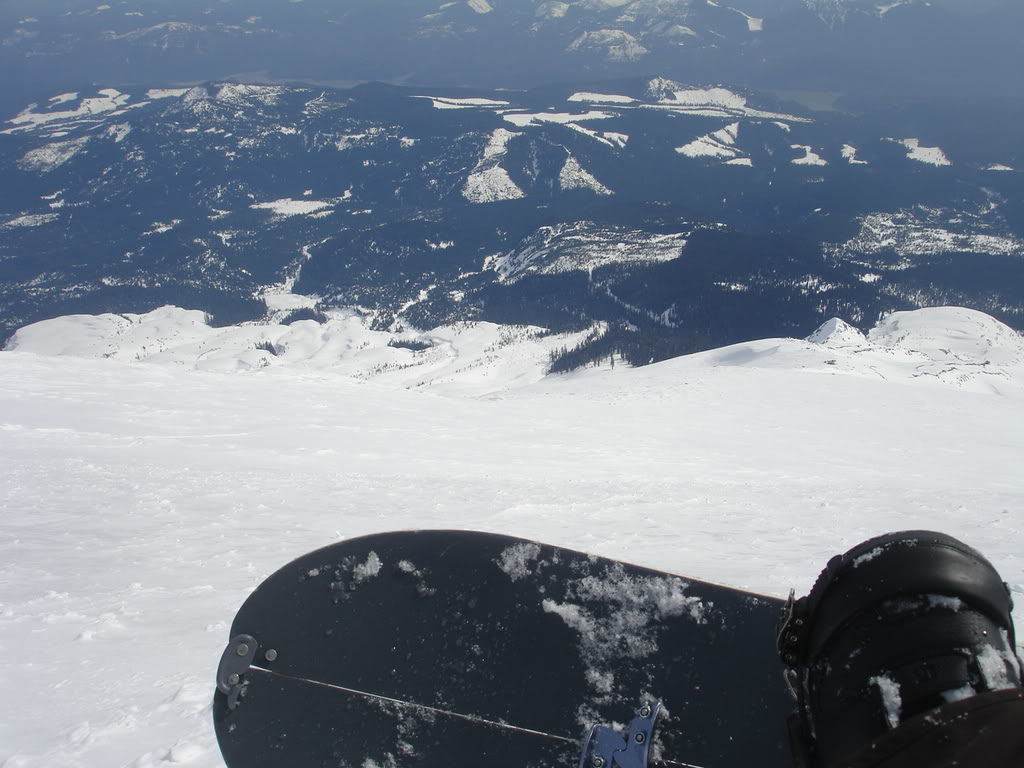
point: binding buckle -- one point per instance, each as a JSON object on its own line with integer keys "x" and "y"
{"x": 606, "y": 747}
{"x": 234, "y": 663}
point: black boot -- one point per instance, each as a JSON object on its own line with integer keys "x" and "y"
{"x": 897, "y": 626}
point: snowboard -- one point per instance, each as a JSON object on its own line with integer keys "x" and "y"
{"x": 458, "y": 649}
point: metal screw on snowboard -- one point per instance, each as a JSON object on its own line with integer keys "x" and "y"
{"x": 234, "y": 663}
{"x": 606, "y": 747}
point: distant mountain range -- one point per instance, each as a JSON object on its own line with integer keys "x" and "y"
{"x": 871, "y": 53}
{"x": 656, "y": 216}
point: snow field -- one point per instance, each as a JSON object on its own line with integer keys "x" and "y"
{"x": 141, "y": 503}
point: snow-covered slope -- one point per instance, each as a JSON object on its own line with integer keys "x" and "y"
{"x": 466, "y": 358}
{"x": 941, "y": 346}
{"x": 141, "y": 503}
{"x": 946, "y": 346}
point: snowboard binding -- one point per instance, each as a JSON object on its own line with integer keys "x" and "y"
{"x": 897, "y": 626}
{"x": 237, "y": 659}
{"x": 605, "y": 747}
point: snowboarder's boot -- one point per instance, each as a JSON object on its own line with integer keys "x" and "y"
{"x": 897, "y": 626}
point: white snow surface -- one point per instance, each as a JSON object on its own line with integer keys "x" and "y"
{"x": 720, "y": 144}
{"x": 575, "y": 176}
{"x": 928, "y": 155}
{"x": 618, "y": 45}
{"x": 53, "y": 155}
{"x": 810, "y": 157}
{"x": 445, "y": 102}
{"x": 142, "y": 502}
{"x": 473, "y": 358}
{"x": 891, "y": 699}
{"x": 524, "y": 119}
{"x": 709, "y": 102}
{"x": 105, "y": 101}
{"x": 488, "y": 182}
{"x": 165, "y": 93}
{"x": 29, "y": 220}
{"x": 289, "y": 207}
{"x": 850, "y": 155}
{"x": 837, "y": 332}
{"x": 923, "y": 231}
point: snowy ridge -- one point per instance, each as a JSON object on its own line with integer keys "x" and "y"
{"x": 708, "y": 102}
{"x": 837, "y": 333}
{"x": 469, "y": 358}
{"x": 616, "y": 44}
{"x": 582, "y": 247}
{"x": 948, "y": 346}
{"x": 926, "y": 231}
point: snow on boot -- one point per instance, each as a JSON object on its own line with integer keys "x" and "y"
{"x": 897, "y": 626}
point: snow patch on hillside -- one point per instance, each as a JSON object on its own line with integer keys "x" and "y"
{"x": 720, "y": 144}
{"x": 51, "y": 156}
{"x": 928, "y": 155}
{"x": 553, "y": 9}
{"x": 924, "y": 231}
{"x": 708, "y": 102}
{"x": 30, "y": 220}
{"x": 850, "y": 155}
{"x": 166, "y": 93}
{"x": 583, "y": 247}
{"x": 616, "y": 45}
{"x": 524, "y": 119}
{"x": 241, "y": 95}
{"x": 287, "y": 207}
{"x": 608, "y": 138}
{"x": 445, "y": 102}
{"x": 489, "y": 182}
{"x": 754, "y": 24}
{"x": 107, "y": 100}
{"x": 118, "y": 132}
{"x": 575, "y": 176}
{"x": 491, "y": 185}
{"x": 810, "y": 157}
{"x": 601, "y": 98}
